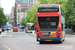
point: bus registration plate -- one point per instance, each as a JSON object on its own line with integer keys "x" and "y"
{"x": 48, "y": 40}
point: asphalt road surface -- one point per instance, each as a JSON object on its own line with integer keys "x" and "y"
{"x": 27, "y": 41}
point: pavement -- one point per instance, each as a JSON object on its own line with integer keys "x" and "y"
{"x": 5, "y": 34}
{"x": 69, "y": 35}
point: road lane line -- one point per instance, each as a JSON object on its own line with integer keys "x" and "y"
{"x": 6, "y": 46}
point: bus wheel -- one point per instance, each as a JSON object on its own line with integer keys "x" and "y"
{"x": 40, "y": 42}
{"x": 61, "y": 41}
{"x": 26, "y": 32}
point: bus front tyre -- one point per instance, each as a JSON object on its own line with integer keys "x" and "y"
{"x": 61, "y": 41}
{"x": 64, "y": 39}
{"x": 40, "y": 42}
{"x": 26, "y": 32}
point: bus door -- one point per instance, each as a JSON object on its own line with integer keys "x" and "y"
{"x": 63, "y": 27}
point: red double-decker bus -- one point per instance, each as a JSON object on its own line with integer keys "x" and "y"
{"x": 50, "y": 23}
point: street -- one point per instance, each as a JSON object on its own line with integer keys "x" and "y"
{"x": 27, "y": 41}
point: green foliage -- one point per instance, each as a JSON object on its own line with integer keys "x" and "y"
{"x": 3, "y": 18}
{"x": 44, "y": 1}
{"x": 31, "y": 15}
{"x": 69, "y": 10}
{"x": 51, "y": 1}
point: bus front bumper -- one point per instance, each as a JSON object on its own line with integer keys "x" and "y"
{"x": 49, "y": 39}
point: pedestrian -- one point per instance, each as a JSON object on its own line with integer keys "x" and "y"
{"x": 0, "y": 31}
{"x": 7, "y": 29}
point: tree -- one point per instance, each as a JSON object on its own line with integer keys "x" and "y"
{"x": 44, "y": 1}
{"x": 69, "y": 9}
{"x": 51, "y": 1}
{"x": 3, "y": 18}
{"x": 23, "y": 21}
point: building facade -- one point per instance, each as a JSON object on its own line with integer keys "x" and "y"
{"x": 21, "y": 13}
{"x": 33, "y": 2}
{"x": 12, "y": 12}
{"x": 20, "y": 10}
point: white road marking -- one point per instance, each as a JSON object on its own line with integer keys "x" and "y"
{"x": 6, "y": 46}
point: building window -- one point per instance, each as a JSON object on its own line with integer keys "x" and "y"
{"x": 18, "y": 5}
{"x": 18, "y": 1}
{"x": 18, "y": 18}
{"x": 35, "y": 0}
{"x": 27, "y": 1}
{"x": 27, "y": 5}
{"x": 31, "y": 0}
{"x": 23, "y": 6}
{"x": 18, "y": 10}
{"x": 21, "y": 1}
{"x": 24, "y": 1}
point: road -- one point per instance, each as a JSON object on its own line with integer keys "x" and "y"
{"x": 27, "y": 41}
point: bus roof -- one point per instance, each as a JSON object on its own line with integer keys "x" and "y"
{"x": 49, "y": 5}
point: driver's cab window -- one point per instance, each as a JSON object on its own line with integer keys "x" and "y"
{"x": 33, "y": 27}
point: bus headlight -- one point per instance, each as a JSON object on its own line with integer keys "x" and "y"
{"x": 59, "y": 33}
{"x": 38, "y": 38}
{"x": 37, "y": 33}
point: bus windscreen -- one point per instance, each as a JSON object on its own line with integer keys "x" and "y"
{"x": 31, "y": 27}
{"x": 48, "y": 23}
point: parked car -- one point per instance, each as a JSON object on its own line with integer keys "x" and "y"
{"x": 21, "y": 28}
{"x": 15, "y": 29}
{"x": 2, "y": 29}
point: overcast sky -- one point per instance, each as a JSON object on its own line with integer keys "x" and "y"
{"x": 7, "y": 5}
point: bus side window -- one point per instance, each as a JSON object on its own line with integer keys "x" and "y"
{"x": 62, "y": 26}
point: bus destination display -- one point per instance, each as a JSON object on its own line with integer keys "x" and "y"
{"x": 47, "y": 10}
